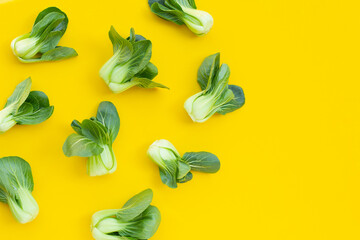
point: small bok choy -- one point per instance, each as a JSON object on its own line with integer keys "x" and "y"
{"x": 94, "y": 138}
{"x": 40, "y": 44}
{"x": 137, "y": 219}
{"x": 183, "y": 12}
{"x": 24, "y": 107}
{"x": 130, "y": 65}
{"x": 176, "y": 169}
{"x": 16, "y": 186}
{"x": 216, "y": 95}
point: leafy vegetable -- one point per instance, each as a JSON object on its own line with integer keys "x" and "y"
{"x": 183, "y": 12}
{"x": 216, "y": 95}
{"x": 130, "y": 65}
{"x": 41, "y": 43}
{"x": 137, "y": 219}
{"x": 24, "y": 107}
{"x": 176, "y": 169}
{"x": 94, "y": 138}
{"x": 16, "y": 186}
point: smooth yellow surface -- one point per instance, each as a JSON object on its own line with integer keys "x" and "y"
{"x": 290, "y": 156}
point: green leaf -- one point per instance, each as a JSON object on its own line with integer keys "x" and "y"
{"x": 77, "y": 145}
{"x": 184, "y": 169}
{"x": 140, "y": 58}
{"x": 208, "y": 71}
{"x": 20, "y": 94}
{"x": 56, "y": 54}
{"x": 168, "y": 175}
{"x": 95, "y": 131}
{"x": 146, "y": 83}
{"x": 46, "y": 25}
{"x": 76, "y": 125}
{"x": 25, "y": 108}
{"x": 237, "y": 102}
{"x": 109, "y": 117}
{"x": 38, "y": 100}
{"x": 135, "y": 206}
{"x": 3, "y": 197}
{"x": 187, "y": 3}
{"x": 166, "y": 13}
{"x": 15, "y": 173}
{"x": 35, "y": 117}
{"x": 150, "y": 72}
{"x": 185, "y": 179}
{"x": 62, "y": 26}
{"x": 202, "y": 161}
{"x": 144, "y": 226}
{"x": 120, "y": 44}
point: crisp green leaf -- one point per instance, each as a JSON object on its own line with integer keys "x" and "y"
{"x": 20, "y": 94}
{"x": 140, "y": 58}
{"x": 38, "y": 100}
{"x": 184, "y": 169}
{"x": 77, "y": 145}
{"x": 135, "y": 206}
{"x": 3, "y": 197}
{"x": 25, "y": 108}
{"x": 237, "y": 102}
{"x": 168, "y": 175}
{"x": 185, "y": 179}
{"x": 208, "y": 71}
{"x": 46, "y": 25}
{"x": 95, "y": 131}
{"x": 146, "y": 83}
{"x": 35, "y": 117}
{"x": 109, "y": 117}
{"x": 150, "y": 72}
{"x": 144, "y": 226}
{"x": 76, "y": 125}
{"x": 15, "y": 173}
{"x": 58, "y": 53}
{"x": 202, "y": 161}
{"x": 166, "y": 13}
{"x": 120, "y": 44}
{"x": 187, "y": 3}
{"x": 62, "y": 26}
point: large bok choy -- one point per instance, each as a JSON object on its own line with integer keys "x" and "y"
{"x": 41, "y": 43}
{"x": 136, "y": 220}
{"x": 24, "y": 107}
{"x": 94, "y": 138}
{"x": 130, "y": 64}
{"x": 16, "y": 186}
{"x": 176, "y": 169}
{"x": 183, "y": 12}
{"x": 216, "y": 95}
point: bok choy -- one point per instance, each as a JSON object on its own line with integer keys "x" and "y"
{"x": 130, "y": 65}
{"x": 176, "y": 169}
{"x": 94, "y": 138}
{"x": 41, "y": 43}
{"x": 183, "y": 12}
{"x": 216, "y": 95}
{"x": 24, "y": 107}
{"x": 137, "y": 219}
{"x": 16, "y": 186}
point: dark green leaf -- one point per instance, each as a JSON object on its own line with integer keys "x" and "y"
{"x": 187, "y": 3}
{"x": 168, "y": 175}
{"x": 202, "y": 161}
{"x": 46, "y": 25}
{"x": 76, "y": 125}
{"x": 109, "y": 117}
{"x": 162, "y": 2}
{"x": 51, "y": 41}
{"x": 62, "y": 26}
{"x": 95, "y": 131}
{"x": 140, "y": 58}
{"x": 150, "y": 72}
{"x": 25, "y": 108}
{"x": 77, "y": 145}
{"x": 234, "y": 104}
{"x": 208, "y": 70}
{"x": 185, "y": 179}
{"x": 166, "y": 13}
{"x": 135, "y": 206}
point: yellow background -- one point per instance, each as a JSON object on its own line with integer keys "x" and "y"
{"x": 290, "y": 156}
